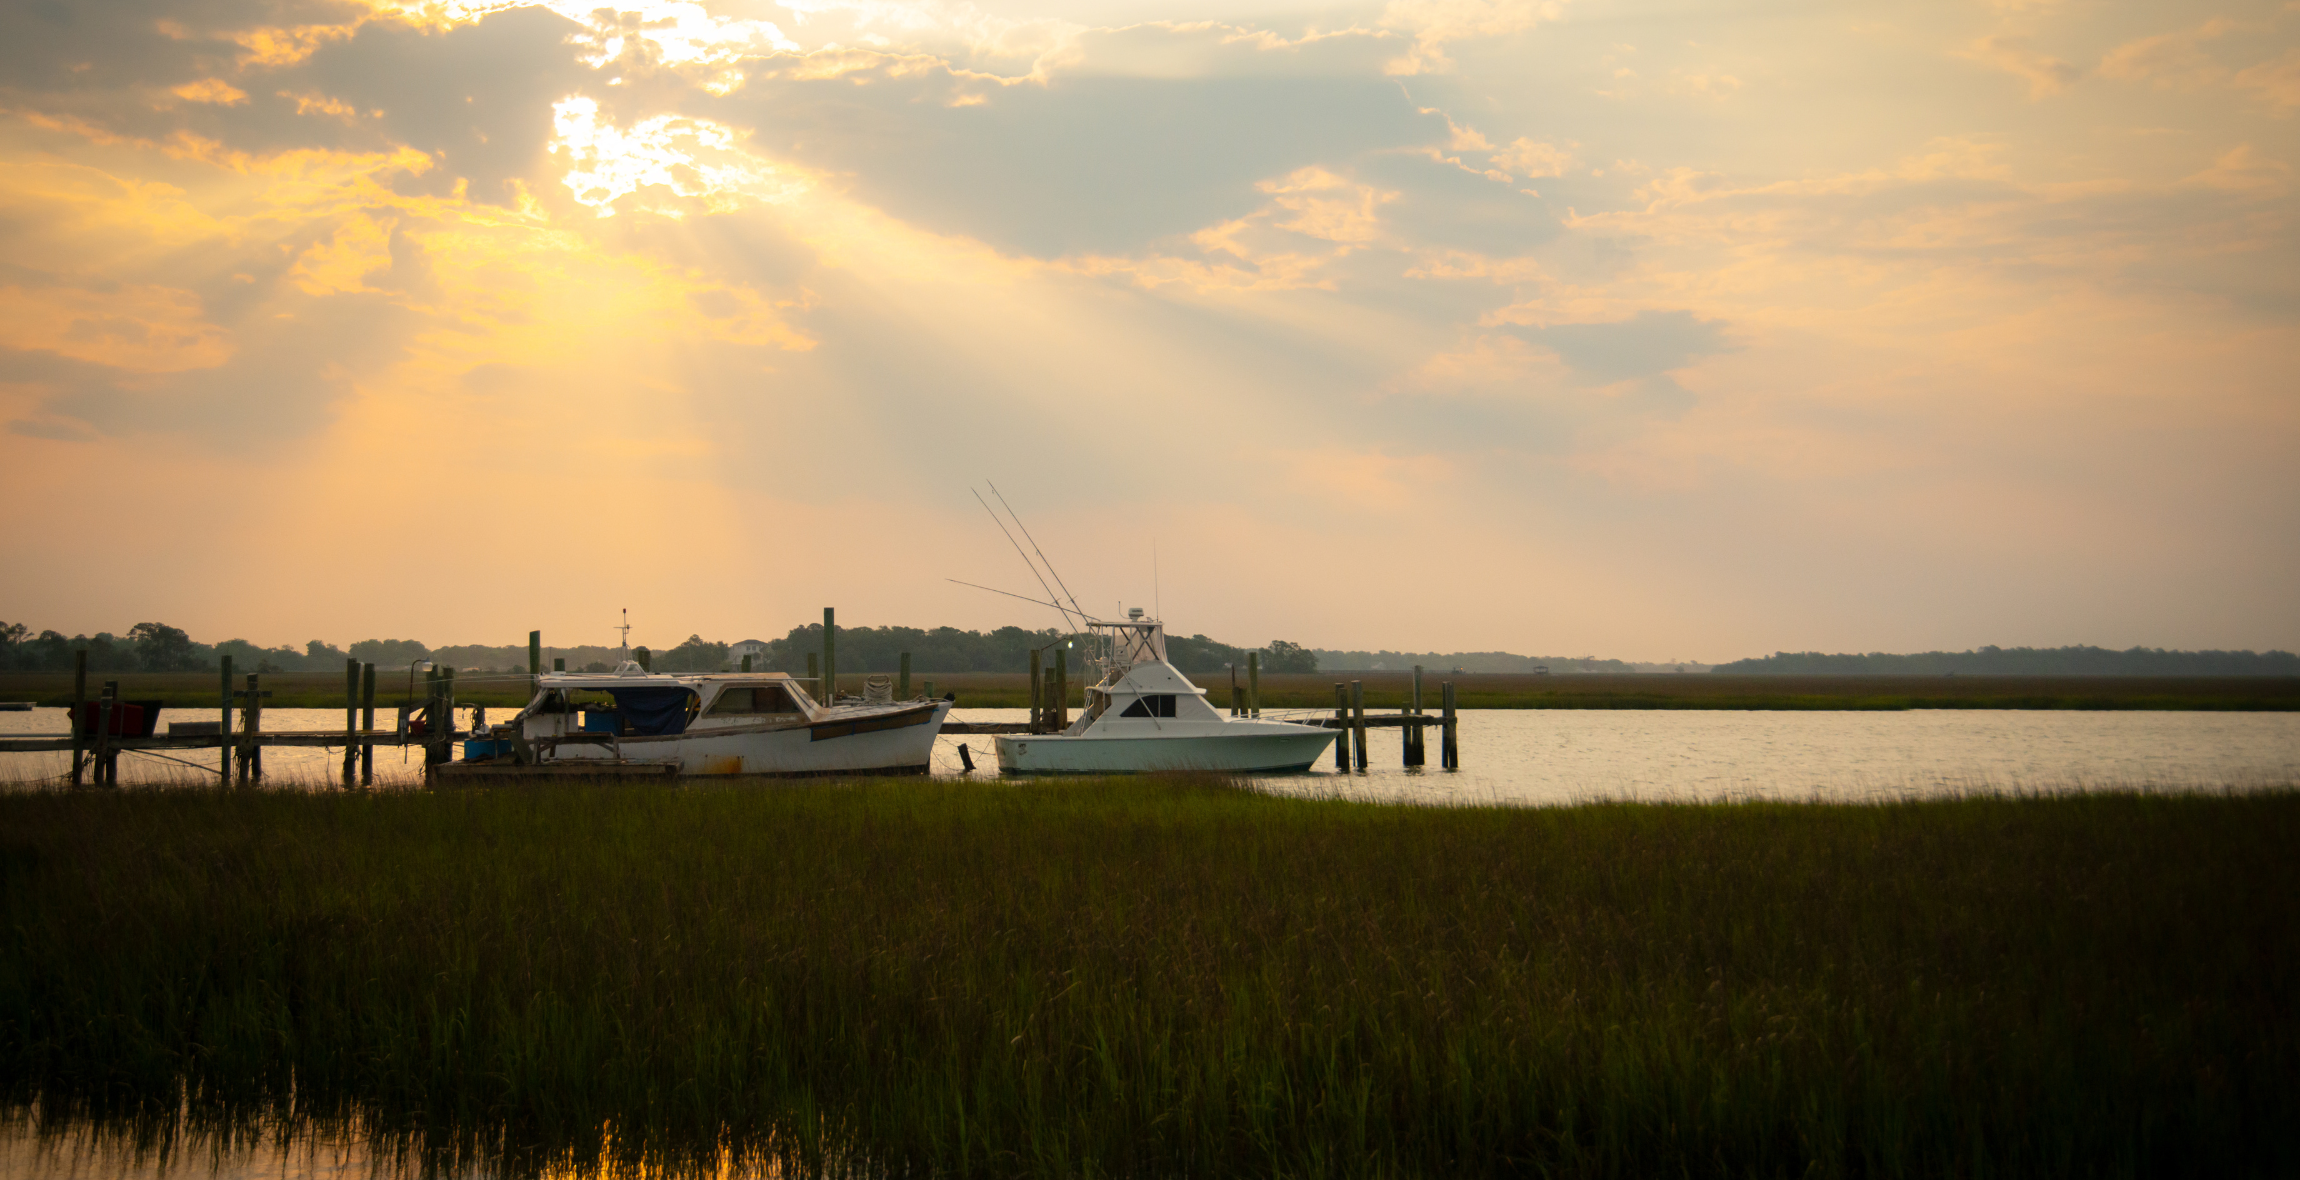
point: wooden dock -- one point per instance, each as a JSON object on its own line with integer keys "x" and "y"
{"x": 105, "y": 727}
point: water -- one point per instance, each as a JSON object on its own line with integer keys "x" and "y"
{"x": 1556, "y": 756}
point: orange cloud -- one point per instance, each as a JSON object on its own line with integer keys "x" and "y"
{"x": 214, "y": 90}
{"x": 138, "y": 328}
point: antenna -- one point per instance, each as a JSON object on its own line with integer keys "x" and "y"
{"x": 1157, "y": 600}
{"x": 1057, "y": 605}
{"x": 1034, "y": 546}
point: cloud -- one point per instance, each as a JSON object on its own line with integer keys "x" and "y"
{"x": 2046, "y": 75}
{"x": 214, "y": 90}
{"x": 1648, "y": 344}
{"x": 2240, "y": 169}
{"x": 2276, "y": 81}
{"x": 1434, "y": 24}
{"x": 2173, "y": 61}
{"x": 1534, "y": 160}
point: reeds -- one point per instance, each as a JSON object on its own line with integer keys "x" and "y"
{"x": 1172, "y": 977}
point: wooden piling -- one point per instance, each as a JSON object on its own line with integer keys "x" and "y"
{"x": 534, "y": 661}
{"x": 831, "y": 655}
{"x": 1358, "y": 720}
{"x": 79, "y": 706}
{"x": 646, "y": 659}
{"x": 1253, "y": 684}
{"x": 1341, "y": 727}
{"x": 1417, "y": 750}
{"x": 746, "y": 663}
{"x": 1449, "y": 740}
{"x": 350, "y": 720}
{"x": 1236, "y": 702}
{"x": 430, "y": 714}
{"x": 559, "y": 663}
{"x": 367, "y": 722}
{"x": 104, "y": 702}
{"x": 252, "y": 766}
{"x": 447, "y": 713}
{"x": 1037, "y": 695}
{"x": 224, "y": 726}
{"x": 1061, "y": 689}
{"x": 902, "y": 679}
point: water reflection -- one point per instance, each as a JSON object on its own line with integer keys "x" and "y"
{"x": 1557, "y": 756}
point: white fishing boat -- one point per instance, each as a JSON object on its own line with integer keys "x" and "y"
{"x": 737, "y": 723}
{"x": 1143, "y": 715}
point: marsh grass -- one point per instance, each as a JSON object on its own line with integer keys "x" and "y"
{"x": 1170, "y": 977}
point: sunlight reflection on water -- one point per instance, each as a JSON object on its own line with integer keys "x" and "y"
{"x": 1554, "y": 756}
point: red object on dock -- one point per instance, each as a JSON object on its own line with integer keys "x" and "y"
{"x": 129, "y": 718}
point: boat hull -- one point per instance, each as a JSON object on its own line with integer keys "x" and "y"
{"x": 879, "y": 742}
{"x": 1278, "y": 750}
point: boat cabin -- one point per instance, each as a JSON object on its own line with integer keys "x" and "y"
{"x": 651, "y": 704}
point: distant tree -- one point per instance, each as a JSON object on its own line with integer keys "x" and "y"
{"x": 384, "y": 653}
{"x": 161, "y": 648}
{"x": 1282, "y": 656}
{"x": 695, "y": 655}
{"x": 320, "y": 657}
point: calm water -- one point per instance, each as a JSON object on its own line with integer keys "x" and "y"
{"x": 1541, "y": 756}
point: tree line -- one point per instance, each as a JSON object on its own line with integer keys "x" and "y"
{"x": 2030, "y": 661}
{"x": 158, "y": 647}
{"x": 1007, "y": 649}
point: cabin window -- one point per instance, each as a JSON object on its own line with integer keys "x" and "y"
{"x": 766, "y": 698}
{"x": 1155, "y": 705}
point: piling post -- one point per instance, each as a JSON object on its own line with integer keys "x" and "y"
{"x": 1449, "y": 740}
{"x": 1237, "y": 703}
{"x": 902, "y": 679}
{"x": 1253, "y": 684}
{"x": 534, "y": 661}
{"x": 1358, "y": 720}
{"x": 559, "y": 663}
{"x": 447, "y": 713}
{"x": 646, "y": 659}
{"x": 367, "y": 723}
{"x": 831, "y": 654}
{"x": 1417, "y": 751}
{"x": 1061, "y": 689}
{"x": 1037, "y": 695}
{"x": 1341, "y": 727}
{"x": 252, "y": 770}
{"x": 79, "y": 706}
{"x": 104, "y": 732}
{"x": 224, "y": 726}
{"x": 350, "y": 719}
{"x": 430, "y": 715}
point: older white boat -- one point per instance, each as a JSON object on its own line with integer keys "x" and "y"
{"x": 748, "y": 723}
{"x": 1144, "y": 715}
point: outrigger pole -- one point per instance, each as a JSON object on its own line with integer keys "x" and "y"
{"x": 1057, "y": 605}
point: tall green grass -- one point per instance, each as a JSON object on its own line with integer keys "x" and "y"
{"x": 1171, "y": 977}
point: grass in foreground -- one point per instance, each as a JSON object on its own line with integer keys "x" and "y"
{"x": 1143, "y": 976}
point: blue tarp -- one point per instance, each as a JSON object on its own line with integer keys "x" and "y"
{"x": 650, "y": 711}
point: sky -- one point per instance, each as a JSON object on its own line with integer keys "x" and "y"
{"x": 1650, "y": 329}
